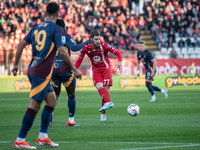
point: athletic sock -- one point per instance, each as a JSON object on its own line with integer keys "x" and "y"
{"x": 71, "y": 105}
{"x": 155, "y": 88}
{"x": 43, "y": 135}
{"x": 162, "y": 91}
{"x": 104, "y": 94}
{"x": 45, "y": 118}
{"x": 71, "y": 119}
{"x": 153, "y": 96}
{"x": 103, "y": 102}
{"x": 149, "y": 87}
{"x": 27, "y": 122}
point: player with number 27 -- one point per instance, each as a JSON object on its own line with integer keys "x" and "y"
{"x": 101, "y": 68}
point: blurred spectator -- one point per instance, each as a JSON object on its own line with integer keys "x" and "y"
{"x": 105, "y": 34}
{"x": 78, "y": 40}
{"x": 114, "y": 5}
{"x": 164, "y": 34}
{"x": 196, "y": 42}
{"x": 196, "y": 31}
{"x": 171, "y": 34}
{"x": 131, "y": 21}
{"x": 113, "y": 28}
{"x": 89, "y": 28}
{"x": 173, "y": 53}
{"x": 142, "y": 23}
{"x": 122, "y": 43}
{"x": 188, "y": 42}
{"x": 181, "y": 43}
{"x": 137, "y": 6}
{"x": 190, "y": 30}
{"x": 183, "y": 32}
{"x": 170, "y": 42}
{"x": 163, "y": 45}
{"x": 154, "y": 29}
{"x": 26, "y": 28}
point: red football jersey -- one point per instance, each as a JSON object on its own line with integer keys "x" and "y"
{"x": 98, "y": 56}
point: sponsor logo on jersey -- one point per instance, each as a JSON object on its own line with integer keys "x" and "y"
{"x": 63, "y": 39}
{"x": 95, "y": 50}
{"x": 96, "y": 58}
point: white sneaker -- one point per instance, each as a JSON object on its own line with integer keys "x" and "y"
{"x": 153, "y": 99}
{"x": 106, "y": 106}
{"x": 103, "y": 117}
{"x": 166, "y": 94}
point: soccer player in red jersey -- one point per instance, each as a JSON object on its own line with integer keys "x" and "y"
{"x": 101, "y": 67}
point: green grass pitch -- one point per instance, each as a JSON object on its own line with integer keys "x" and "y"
{"x": 165, "y": 124}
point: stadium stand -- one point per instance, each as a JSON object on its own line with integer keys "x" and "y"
{"x": 162, "y": 24}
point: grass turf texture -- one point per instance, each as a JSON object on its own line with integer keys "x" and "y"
{"x": 165, "y": 124}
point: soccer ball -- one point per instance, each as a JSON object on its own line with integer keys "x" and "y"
{"x": 133, "y": 110}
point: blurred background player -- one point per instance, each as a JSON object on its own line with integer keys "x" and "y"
{"x": 45, "y": 39}
{"x": 149, "y": 63}
{"x": 101, "y": 67}
{"x": 63, "y": 74}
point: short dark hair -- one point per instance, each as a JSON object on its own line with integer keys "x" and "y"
{"x": 141, "y": 42}
{"x": 52, "y": 8}
{"x": 94, "y": 33}
{"x": 61, "y": 23}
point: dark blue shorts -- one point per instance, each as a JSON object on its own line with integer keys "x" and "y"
{"x": 39, "y": 87}
{"x": 68, "y": 79}
{"x": 148, "y": 74}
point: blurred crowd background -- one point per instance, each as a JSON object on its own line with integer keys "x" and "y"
{"x": 174, "y": 25}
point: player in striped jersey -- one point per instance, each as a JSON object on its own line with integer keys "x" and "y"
{"x": 101, "y": 67}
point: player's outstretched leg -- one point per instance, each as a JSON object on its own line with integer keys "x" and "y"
{"x": 149, "y": 87}
{"x": 27, "y": 122}
{"x": 165, "y": 92}
{"x": 106, "y": 96}
{"x": 106, "y": 106}
{"x": 43, "y": 139}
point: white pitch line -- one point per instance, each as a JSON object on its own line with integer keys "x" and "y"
{"x": 20, "y": 98}
{"x": 163, "y": 143}
{"x": 190, "y": 145}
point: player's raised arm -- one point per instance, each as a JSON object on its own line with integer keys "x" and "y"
{"x": 80, "y": 58}
{"x": 64, "y": 55}
{"x": 69, "y": 41}
{"x": 77, "y": 47}
{"x": 117, "y": 53}
{"x": 20, "y": 48}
